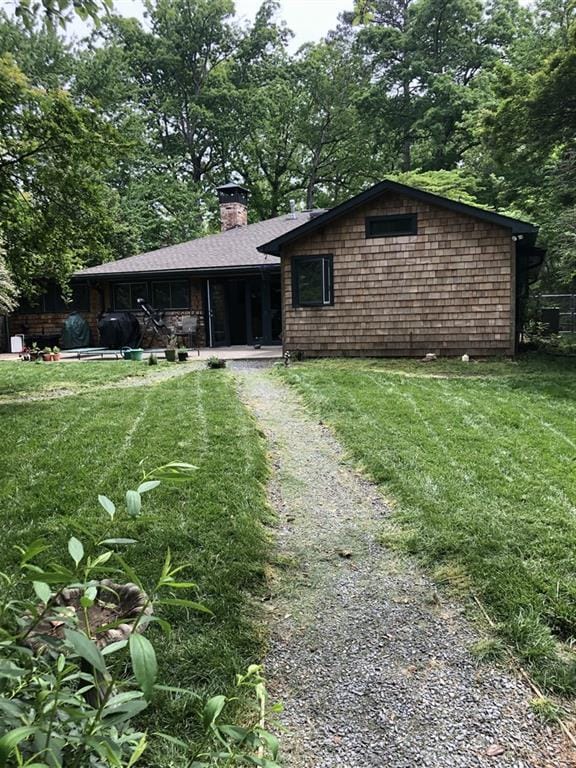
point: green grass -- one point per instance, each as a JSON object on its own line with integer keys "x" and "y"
{"x": 58, "y": 455}
{"x": 21, "y": 378}
{"x": 480, "y": 462}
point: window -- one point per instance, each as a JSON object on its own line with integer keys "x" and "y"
{"x": 173, "y": 294}
{"x": 391, "y": 226}
{"x": 312, "y": 281}
{"x": 80, "y": 297}
{"x": 51, "y": 301}
{"x": 126, "y": 295}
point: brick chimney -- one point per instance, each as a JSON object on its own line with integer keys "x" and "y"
{"x": 233, "y": 206}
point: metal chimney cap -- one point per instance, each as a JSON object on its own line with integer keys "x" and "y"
{"x": 232, "y": 186}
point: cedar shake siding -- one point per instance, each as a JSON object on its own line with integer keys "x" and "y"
{"x": 448, "y": 289}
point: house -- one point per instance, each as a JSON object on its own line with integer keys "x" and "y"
{"x": 393, "y": 271}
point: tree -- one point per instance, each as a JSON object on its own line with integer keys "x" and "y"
{"x": 336, "y": 153}
{"x": 57, "y": 212}
{"x": 55, "y": 12}
{"x": 8, "y": 290}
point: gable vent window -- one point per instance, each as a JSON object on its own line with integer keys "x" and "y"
{"x": 391, "y": 226}
{"x": 312, "y": 281}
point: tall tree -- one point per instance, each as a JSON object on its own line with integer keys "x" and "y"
{"x": 336, "y": 152}
{"x": 56, "y": 211}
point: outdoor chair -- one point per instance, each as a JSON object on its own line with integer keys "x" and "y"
{"x": 187, "y": 331}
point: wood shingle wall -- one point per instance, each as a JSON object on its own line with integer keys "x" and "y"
{"x": 449, "y": 289}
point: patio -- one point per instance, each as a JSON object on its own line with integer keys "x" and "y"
{"x": 238, "y": 352}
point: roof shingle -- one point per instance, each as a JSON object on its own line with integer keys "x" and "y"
{"x": 232, "y": 249}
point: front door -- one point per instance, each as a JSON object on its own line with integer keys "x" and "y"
{"x": 244, "y": 310}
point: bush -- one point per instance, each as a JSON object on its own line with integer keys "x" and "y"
{"x": 215, "y": 362}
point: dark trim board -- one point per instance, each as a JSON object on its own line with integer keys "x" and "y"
{"x": 172, "y": 274}
{"x": 517, "y": 227}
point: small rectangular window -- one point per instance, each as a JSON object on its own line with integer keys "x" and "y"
{"x": 391, "y": 226}
{"x": 312, "y": 281}
{"x": 171, "y": 294}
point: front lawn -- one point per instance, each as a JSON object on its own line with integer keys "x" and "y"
{"x": 57, "y": 455}
{"x": 479, "y": 461}
{"x": 18, "y": 378}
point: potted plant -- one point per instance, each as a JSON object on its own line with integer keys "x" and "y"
{"x": 55, "y": 353}
{"x": 215, "y": 362}
{"x": 47, "y": 354}
{"x": 171, "y": 348}
{"x": 182, "y": 354}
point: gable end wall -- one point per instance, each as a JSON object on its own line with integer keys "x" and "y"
{"x": 449, "y": 289}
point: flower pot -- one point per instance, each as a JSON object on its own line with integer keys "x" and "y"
{"x": 56, "y": 355}
{"x": 170, "y": 355}
{"x": 46, "y": 357}
{"x": 182, "y": 356}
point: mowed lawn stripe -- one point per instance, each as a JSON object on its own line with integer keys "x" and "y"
{"x": 482, "y": 471}
{"x": 213, "y": 524}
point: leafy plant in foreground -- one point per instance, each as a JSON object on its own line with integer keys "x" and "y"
{"x": 73, "y": 679}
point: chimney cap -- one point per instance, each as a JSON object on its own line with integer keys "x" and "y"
{"x": 227, "y": 188}
{"x": 232, "y": 193}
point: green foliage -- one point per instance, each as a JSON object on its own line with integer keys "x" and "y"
{"x": 215, "y": 362}
{"x": 546, "y": 710}
{"x": 470, "y": 99}
{"x": 66, "y": 698}
{"x": 457, "y": 184}
{"x": 60, "y": 11}
{"x": 8, "y": 290}
{"x": 58, "y": 215}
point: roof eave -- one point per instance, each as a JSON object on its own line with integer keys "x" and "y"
{"x": 82, "y": 275}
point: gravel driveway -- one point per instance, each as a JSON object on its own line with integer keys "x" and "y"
{"x": 371, "y": 664}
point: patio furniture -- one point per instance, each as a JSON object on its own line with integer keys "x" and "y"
{"x": 187, "y": 331}
{"x": 153, "y": 323}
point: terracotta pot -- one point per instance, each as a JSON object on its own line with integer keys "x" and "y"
{"x": 55, "y": 355}
{"x": 46, "y": 358}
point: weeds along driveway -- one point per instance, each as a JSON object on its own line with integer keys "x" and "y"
{"x": 372, "y": 665}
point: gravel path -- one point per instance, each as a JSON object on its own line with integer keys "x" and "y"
{"x": 371, "y": 664}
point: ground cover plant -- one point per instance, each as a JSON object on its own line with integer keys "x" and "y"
{"x": 478, "y": 460}
{"x": 57, "y": 455}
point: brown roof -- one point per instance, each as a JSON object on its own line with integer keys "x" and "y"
{"x": 233, "y": 249}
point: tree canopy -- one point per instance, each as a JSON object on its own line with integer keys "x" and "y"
{"x": 113, "y": 145}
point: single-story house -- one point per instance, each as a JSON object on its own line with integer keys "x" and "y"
{"x": 393, "y": 271}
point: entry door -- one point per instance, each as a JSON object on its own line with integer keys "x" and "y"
{"x": 218, "y": 335}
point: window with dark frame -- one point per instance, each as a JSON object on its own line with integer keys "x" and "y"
{"x": 164, "y": 294}
{"x": 392, "y": 226}
{"x": 312, "y": 281}
{"x": 171, "y": 294}
{"x": 51, "y": 301}
{"x": 126, "y": 295}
